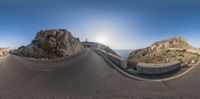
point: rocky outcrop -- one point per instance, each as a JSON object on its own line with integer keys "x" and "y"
{"x": 176, "y": 42}
{"x": 99, "y": 46}
{"x": 165, "y": 51}
{"x": 4, "y": 51}
{"x": 55, "y": 43}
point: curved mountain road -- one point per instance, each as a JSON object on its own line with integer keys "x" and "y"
{"x": 85, "y": 76}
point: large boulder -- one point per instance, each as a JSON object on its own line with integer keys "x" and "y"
{"x": 4, "y": 51}
{"x": 165, "y": 51}
{"x": 55, "y": 43}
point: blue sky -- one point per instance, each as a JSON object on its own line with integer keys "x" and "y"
{"x": 120, "y": 24}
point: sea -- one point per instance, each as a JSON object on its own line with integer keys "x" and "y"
{"x": 123, "y": 52}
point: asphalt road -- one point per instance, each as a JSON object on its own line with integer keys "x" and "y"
{"x": 86, "y": 76}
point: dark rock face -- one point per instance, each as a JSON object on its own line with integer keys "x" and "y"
{"x": 51, "y": 44}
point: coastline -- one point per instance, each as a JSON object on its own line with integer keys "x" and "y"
{"x": 124, "y": 53}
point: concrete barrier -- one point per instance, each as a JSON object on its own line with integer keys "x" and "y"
{"x": 144, "y": 68}
{"x": 114, "y": 58}
{"x": 117, "y": 60}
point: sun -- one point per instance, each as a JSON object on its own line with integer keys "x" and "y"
{"x": 101, "y": 39}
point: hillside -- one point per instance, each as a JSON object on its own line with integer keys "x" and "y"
{"x": 165, "y": 51}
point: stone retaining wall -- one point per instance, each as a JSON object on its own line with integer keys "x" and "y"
{"x": 144, "y": 68}
{"x": 114, "y": 58}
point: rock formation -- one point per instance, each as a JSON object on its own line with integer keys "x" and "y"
{"x": 4, "y": 51}
{"x": 51, "y": 44}
{"x": 176, "y": 42}
{"x": 165, "y": 51}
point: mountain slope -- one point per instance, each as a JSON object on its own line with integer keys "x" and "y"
{"x": 164, "y": 51}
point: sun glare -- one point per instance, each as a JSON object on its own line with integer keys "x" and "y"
{"x": 101, "y": 39}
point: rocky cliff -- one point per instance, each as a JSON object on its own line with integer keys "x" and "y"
{"x": 55, "y": 43}
{"x": 164, "y": 51}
